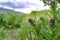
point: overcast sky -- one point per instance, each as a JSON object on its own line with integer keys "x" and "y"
{"x": 39, "y": 5}
{"x": 18, "y": 0}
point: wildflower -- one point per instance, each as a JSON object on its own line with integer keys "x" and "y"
{"x": 30, "y": 20}
{"x": 52, "y": 21}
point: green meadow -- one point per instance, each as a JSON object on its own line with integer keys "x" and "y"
{"x": 38, "y": 25}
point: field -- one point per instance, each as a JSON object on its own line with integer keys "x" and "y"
{"x": 38, "y": 25}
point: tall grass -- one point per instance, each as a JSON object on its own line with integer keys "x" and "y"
{"x": 39, "y": 25}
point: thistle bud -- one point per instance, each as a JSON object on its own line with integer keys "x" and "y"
{"x": 52, "y": 21}
{"x": 30, "y": 20}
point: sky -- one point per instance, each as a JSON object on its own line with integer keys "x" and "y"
{"x": 18, "y": 0}
{"x": 30, "y": 5}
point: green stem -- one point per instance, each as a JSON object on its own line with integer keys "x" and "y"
{"x": 53, "y": 7}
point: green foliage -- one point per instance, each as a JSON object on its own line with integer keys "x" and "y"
{"x": 41, "y": 30}
{"x": 10, "y": 20}
{"x": 53, "y": 5}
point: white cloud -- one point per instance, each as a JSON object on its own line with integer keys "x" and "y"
{"x": 26, "y": 0}
{"x": 39, "y": 5}
{"x": 3, "y": 0}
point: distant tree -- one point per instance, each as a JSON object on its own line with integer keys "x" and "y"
{"x": 52, "y": 4}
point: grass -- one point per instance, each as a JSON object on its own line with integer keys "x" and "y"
{"x": 34, "y": 26}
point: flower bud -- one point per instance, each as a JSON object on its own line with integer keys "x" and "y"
{"x": 30, "y": 20}
{"x": 52, "y": 21}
